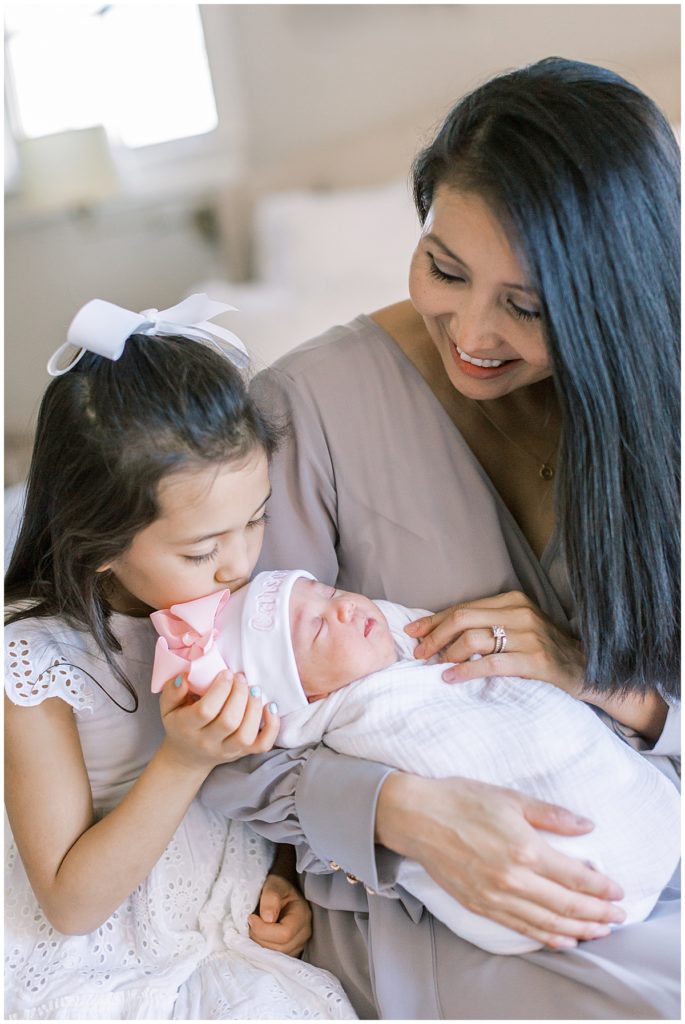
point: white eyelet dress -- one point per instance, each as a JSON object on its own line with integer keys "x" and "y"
{"x": 178, "y": 947}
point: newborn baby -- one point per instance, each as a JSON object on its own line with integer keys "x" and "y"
{"x": 303, "y": 641}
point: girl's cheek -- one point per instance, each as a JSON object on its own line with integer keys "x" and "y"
{"x": 256, "y": 547}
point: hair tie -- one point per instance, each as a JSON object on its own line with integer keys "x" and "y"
{"x": 103, "y": 328}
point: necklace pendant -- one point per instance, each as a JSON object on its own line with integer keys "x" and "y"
{"x": 546, "y": 471}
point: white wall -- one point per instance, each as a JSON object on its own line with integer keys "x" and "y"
{"x": 138, "y": 257}
{"x": 316, "y": 73}
{"x": 293, "y": 79}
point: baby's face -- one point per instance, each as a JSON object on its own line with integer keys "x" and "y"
{"x": 337, "y": 637}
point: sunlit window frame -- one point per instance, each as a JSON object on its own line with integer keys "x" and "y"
{"x": 209, "y": 158}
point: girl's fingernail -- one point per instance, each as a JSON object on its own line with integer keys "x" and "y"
{"x": 273, "y": 707}
{"x": 178, "y": 681}
{"x": 583, "y": 821}
{"x": 255, "y": 691}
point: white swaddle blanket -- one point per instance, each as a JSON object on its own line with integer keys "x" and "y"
{"x": 519, "y": 733}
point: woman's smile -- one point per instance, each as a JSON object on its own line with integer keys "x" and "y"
{"x": 480, "y": 369}
{"x": 480, "y": 310}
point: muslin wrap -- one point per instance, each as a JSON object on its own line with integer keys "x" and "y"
{"x": 520, "y": 733}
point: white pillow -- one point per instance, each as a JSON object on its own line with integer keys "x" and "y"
{"x": 306, "y": 239}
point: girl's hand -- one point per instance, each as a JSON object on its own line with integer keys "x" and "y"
{"x": 535, "y": 648}
{"x": 480, "y": 845}
{"x": 225, "y": 723}
{"x": 283, "y": 920}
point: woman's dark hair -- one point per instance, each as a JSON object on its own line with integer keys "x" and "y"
{"x": 107, "y": 433}
{"x": 582, "y": 169}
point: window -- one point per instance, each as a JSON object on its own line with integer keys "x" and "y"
{"x": 139, "y": 69}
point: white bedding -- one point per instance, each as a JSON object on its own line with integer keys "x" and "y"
{"x": 320, "y": 258}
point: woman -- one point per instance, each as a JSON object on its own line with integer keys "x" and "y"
{"x": 505, "y": 444}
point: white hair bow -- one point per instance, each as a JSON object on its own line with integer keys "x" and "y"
{"x": 103, "y": 328}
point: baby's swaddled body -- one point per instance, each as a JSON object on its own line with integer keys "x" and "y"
{"x": 519, "y": 733}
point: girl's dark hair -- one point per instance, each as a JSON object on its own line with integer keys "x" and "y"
{"x": 582, "y": 169}
{"x": 107, "y": 433}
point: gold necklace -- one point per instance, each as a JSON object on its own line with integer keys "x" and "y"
{"x": 545, "y": 469}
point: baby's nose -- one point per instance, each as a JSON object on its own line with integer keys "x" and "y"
{"x": 345, "y": 611}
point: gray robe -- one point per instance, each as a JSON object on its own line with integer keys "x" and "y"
{"x": 377, "y": 490}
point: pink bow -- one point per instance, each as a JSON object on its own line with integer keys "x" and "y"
{"x": 187, "y": 642}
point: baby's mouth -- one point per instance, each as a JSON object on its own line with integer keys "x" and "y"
{"x": 368, "y": 626}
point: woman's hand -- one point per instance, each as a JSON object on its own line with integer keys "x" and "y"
{"x": 225, "y": 723}
{"x": 283, "y": 920}
{"x": 535, "y": 647}
{"x": 480, "y": 845}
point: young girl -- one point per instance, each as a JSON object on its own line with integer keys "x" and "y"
{"x": 126, "y": 898}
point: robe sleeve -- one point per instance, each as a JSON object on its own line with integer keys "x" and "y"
{"x": 664, "y": 754}
{"x": 667, "y": 745}
{"x": 669, "y": 741}
{"x": 322, "y": 803}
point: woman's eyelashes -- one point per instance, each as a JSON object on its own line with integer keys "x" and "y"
{"x": 440, "y": 274}
{"x": 523, "y": 314}
{"x": 519, "y": 312}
